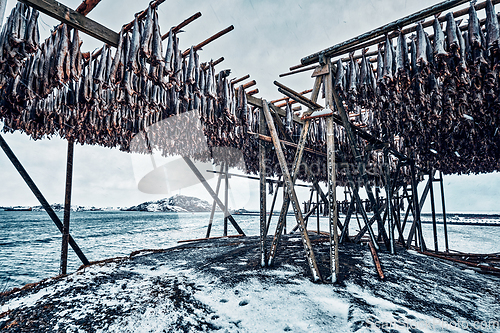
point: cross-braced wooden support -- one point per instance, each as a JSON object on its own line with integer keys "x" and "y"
{"x": 291, "y": 194}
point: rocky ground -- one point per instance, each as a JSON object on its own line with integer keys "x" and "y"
{"x": 218, "y": 285}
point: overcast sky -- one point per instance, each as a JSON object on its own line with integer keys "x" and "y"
{"x": 269, "y": 37}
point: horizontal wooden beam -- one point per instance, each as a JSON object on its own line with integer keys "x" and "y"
{"x": 286, "y": 143}
{"x": 74, "y": 19}
{"x": 388, "y": 28}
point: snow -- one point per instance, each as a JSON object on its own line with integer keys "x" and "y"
{"x": 202, "y": 286}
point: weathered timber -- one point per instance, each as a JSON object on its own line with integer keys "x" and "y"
{"x": 75, "y": 20}
{"x": 286, "y": 199}
{"x": 286, "y": 98}
{"x": 332, "y": 182}
{"x": 243, "y": 78}
{"x": 31, "y": 184}
{"x": 181, "y": 25}
{"x": 376, "y": 261}
{"x": 263, "y": 196}
{"x": 226, "y": 198}
{"x": 287, "y": 143}
{"x": 271, "y": 210}
{"x": 209, "y": 40}
{"x": 142, "y": 15}
{"x": 292, "y": 195}
{"x": 433, "y": 211}
{"x": 395, "y": 25}
{"x": 299, "y": 71}
{"x": 441, "y": 181}
{"x": 87, "y": 6}
{"x": 296, "y": 164}
{"x": 67, "y": 207}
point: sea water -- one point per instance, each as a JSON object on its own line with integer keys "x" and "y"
{"x": 30, "y": 243}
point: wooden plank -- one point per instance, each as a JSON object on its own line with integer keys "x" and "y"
{"x": 75, "y": 20}
{"x": 211, "y": 192}
{"x": 311, "y": 260}
{"x": 395, "y": 25}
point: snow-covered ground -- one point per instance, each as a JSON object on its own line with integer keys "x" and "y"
{"x": 218, "y": 285}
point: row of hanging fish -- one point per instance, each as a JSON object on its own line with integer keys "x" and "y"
{"x": 439, "y": 94}
{"x": 108, "y": 97}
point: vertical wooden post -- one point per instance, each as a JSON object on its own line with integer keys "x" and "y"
{"x": 388, "y": 194}
{"x": 262, "y": 173}
{"x": 416, "y": 206}
{"x": 433, "y": 210}
{"x": 226, "y": 193}
{"x": 441, "y": 181}
{"x": 289, "y": 186}
{"x": 214, "y": 205}
{"x": 67, "y": 207}
{"x": 271, "y": 210}
{"x": 332, "y": 175}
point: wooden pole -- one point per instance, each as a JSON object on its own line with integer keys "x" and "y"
{"x": 214, "y": 205}
{"x": 292, "y": 195}
{"x": 388, "y": 194}
{"x": 296, "y": 165}
{"x": 281, "y": 227}
{"x": 263, "y": 206}
{"x": 271, "y": 211}
{"x": 40, "y": 197}
{"x": 433, "y": 210}
{"x": 202, "y": 180}
{"x": 332, "y": 182}
{"x": 226, "y": 198}
{"x": 209, "y": 40}
{"x": 395, "y": 25}
{"x": 67, "y": 207}
{"x": 441, "y": 181}
{"x": 182, "y": 25}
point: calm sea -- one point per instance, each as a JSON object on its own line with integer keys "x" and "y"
{"x": 30, "y": 243}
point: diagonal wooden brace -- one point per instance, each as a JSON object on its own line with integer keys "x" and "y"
{"x": 291, "y": 194}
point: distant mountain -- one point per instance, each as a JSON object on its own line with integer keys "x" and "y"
{"x": 177, "y": 203}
